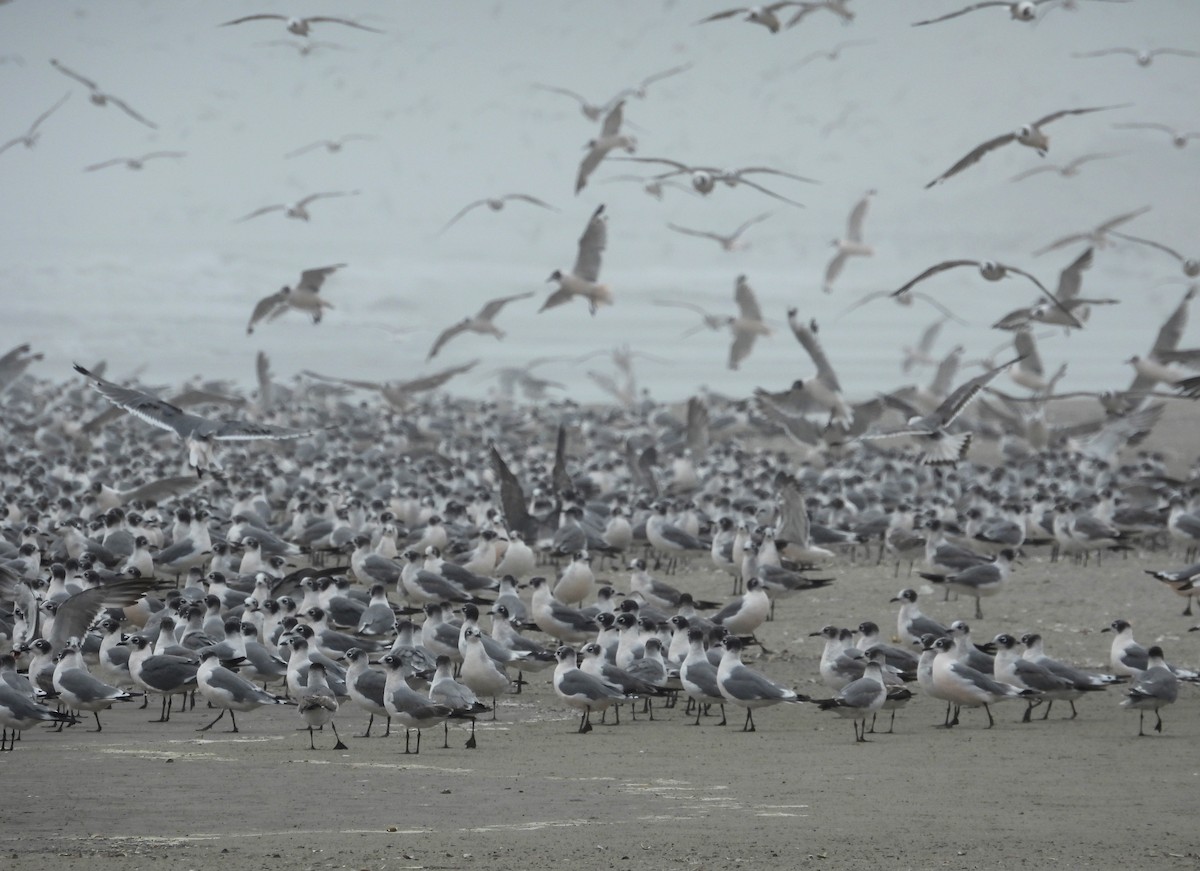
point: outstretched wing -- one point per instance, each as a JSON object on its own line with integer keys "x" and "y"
{"x": 446, "y": 335}
{"x": 934, "y": 270}
{"x": 149, "y": 408}
{"x": 245, "y": 431}
{"x": 312, "y": 279}
{"x": 971, "y": 8}
{"x": 129, "y": 110}
{"x": 266, "y": 308}
{"x": 591, "y": 246}
{"x": 512, "y": 498}
{"x": 806, "y": 335}
{"x": 973, "y": 156}
{"x": 62, "y": 69}
{"x": 493, "y": 307}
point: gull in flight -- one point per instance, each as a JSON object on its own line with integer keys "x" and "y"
{"x": 850, "y": 246}
{"x": 1179, "y": 138}
{"x": 591, "y": 111}
{"x": 30, "y": 137}
{"x": 940, "y": 447}
{"x": 1191, "y": 265}
{"x": 639, "y": 90}
{"x": 655, "y": 187}
{"x": 1023, "y": 10}
{"x": 1031, "y": 136}
{"x": 481, "y": 322}
{"x": 298, "y": 209}
{"x": 300, "y": 26}
{"x": 1098, "y": 236}
{"x": 748, "y": 325}
{"x": 134, "y": 162}
{"x": 199, "y": 433}
{"x": 582, "y": 280}
{"x": 1143, "y": 56}
{"x": 705, "y": 178}
{"x": 707, "y": 319}
{"x": 905, "y": 299}
{"x": 398, "y": 393}
{"x": 990, "y": 270}
{"x": 831, "y": 54}
{"x": 333, "y": 146}
{"x": 1067, "y": 170}
{"x": 728, "y": 242}
{"x": 99, "y": 97}
{"x": 823, "y": 389}
{"x": 1072, "y": 309}
{"x": 835, "y": 7}
{"x": 496, "y": 204}
{"x": 305, "y": 296}
{"x": 610, "y": 138}
{"x": 764, "y": 15}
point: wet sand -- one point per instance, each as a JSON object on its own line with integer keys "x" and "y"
{"x": 797, "y": 793}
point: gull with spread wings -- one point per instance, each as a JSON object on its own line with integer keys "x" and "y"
{"x": 1067, "y": 170}
{"x": 481, "y": 322}
{"x": 851, "y": 245}
{"x": 299, "y": 26}
{"x": 298, "y": 209}
{"x": 134, "y": 163}
{"x": 1179, "y": 138}
{"x": 30, "y": 137}
{"x": 199, "y": 434}
{"x": 610, "y": 138}
{"x": 1190, "y": 265}
{"x": 305, "y": 296}
{"x": 1072, "y": 309}
{"x": 582, "y": 280}
{"x": 398, "y": 393}
{"x": 705, "y": 178}
{"x": 1018, "y": 10}
{"x": 748, "y": 325}
{"x": 1143, "y": 56}
{"x": 939, "y": 446}
{"x": 99, "y": 97}
{"x": 990, "y": 270}
{"x": 495, "y": 204}
{"x": 1031, "y": 136}
{"x": 332, "y": 146}
{"x": 824, "y": 388}
{"x": 1096, "y": 236}
{"x": 727, "y": 241}
{"x": 764, "y": 15}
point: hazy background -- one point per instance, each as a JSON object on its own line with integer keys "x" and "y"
{"x": 150, "y": 269}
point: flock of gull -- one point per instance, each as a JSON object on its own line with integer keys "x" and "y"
{"x": 416, "y": 557}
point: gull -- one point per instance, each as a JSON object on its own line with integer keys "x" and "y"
{"x": 851, "y": 245}
{"x": 1143, "y": 56}
{"x": 989, "y": 269}
{"x": 198, "y": 433}
{"x": 747, "y": 688}
{"x": 824, "y": 388}
{"x": 832, "y": 54}
{"x": 1018, "y": 10}
{"x": 911, "y": 623}
{"x": 481, "y": 322}
{"x": 707, "y": 319}
{"x": 961, "y": 684}
{"x": 748, "y": 325}
{"x": 1030, "y": 135}
{"x": 654, "y": 186}
{"x": 582, "y": 691}
{"x": 298, "y": 209}
{"x": 100, "y": 98}
{"x": 1081, "y": 681}
{"x": 318, "y": 705}
{"x": 591, "y": 111}
{"x": 764, "y": 15}
{"x": 1155, "y": 688}
{"x": 228, "y": 690}
{"x": 639, "y": 90}
{"x": 940, "y": 447}
{"x": 79, "y": 689}
{"x": 835, "y": 7}
{"x": 1179, "y": 138}
{"x": 19, "y": 712}
{"x": 496, "y": 204}
{"x": 1097, "y": 236}
{"x": 582, "y": 279}
{"x": 458, "y": 697}
{"x": 860, "y": 698}
{"x": 333, "y": 146}
{"x": 1191, "y": 265}
{"x": 705, "y": 178}
{"x": 305, "y": 296}
{"x": 398, "y": 393}
{"x": 905, "y": 299}
{"x": 922, "y": 354}
{"x": 1067, "y": 170}
{"x": 299, "y": 26}
{"x": 30, "y": 137}
{"x": 983, "y": 579}
{"x": 728, "y": 241}
{"x": 134, "y": 162}
{"x": 610, "y": 138}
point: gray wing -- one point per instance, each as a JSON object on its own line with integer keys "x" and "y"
{"x": 612, "y": 121}
{"x": 149, "y": 408}
{"x": 743, "y": 344}
{"x": 747, "y": 303}
{"x": 1070, "y": 280}
{"x": 129, "y": 110}
{"x": 493, "y": 307}
{"x": 267, "y": 307}
{"x": 745, "y": 683}
{"x": 312, "y": 279}
{"x": 1063, "y": 113}
{"x": 1026, "y": 347}
{"x": 580, "y": 683}
{"x": 591, "y": 245}
{"x": 854, "y": 225}
{"x": 76, "y": 613}
{"x": 62, "y": 69}
{"x": 793, "y": 524}
{"x": 934, "y": 270}
{"x": 964, "y": 11}
{"x": 974, "y": 156}
{"x": 806, "y": 335}
{"x": 956, "y": 402}
{"x": 1172, "y": 330}
{"x": 445, "y": 336}
{"x": 245, "y": 431}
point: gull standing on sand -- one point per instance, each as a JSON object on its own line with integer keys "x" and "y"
{"x": 199, "y": 434}
{"x": 582, "y": 691}
{"x": 850, "y": 246}
{"x": 299, "y": 209}
{"x": 228, "y": 690}
{"x": 305, "y": 296}
{"x": 299, "y": 26}
{"x": 728, "y": 241}
{"x": 99, "y": 97}
{"x": 964, "y": 686}
{"x": 747, "y": 688}
{"x": 1031, "y": 136}
{"x": 582, "y": 280}
{"x": 496, "y": 204}
{"x": 481, "y": 322}
{"x": 79, "y": 689}
{"x": 860, "y": 698}
{"x": 30, "y": 137}
{"x": 1155, "y": 688}
{"x": 318, "y": 705}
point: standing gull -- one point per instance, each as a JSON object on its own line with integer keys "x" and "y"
{"x": 198, "y": 433}
{"x": 1155, "y": 688}
{"x": 747, "y": 688}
